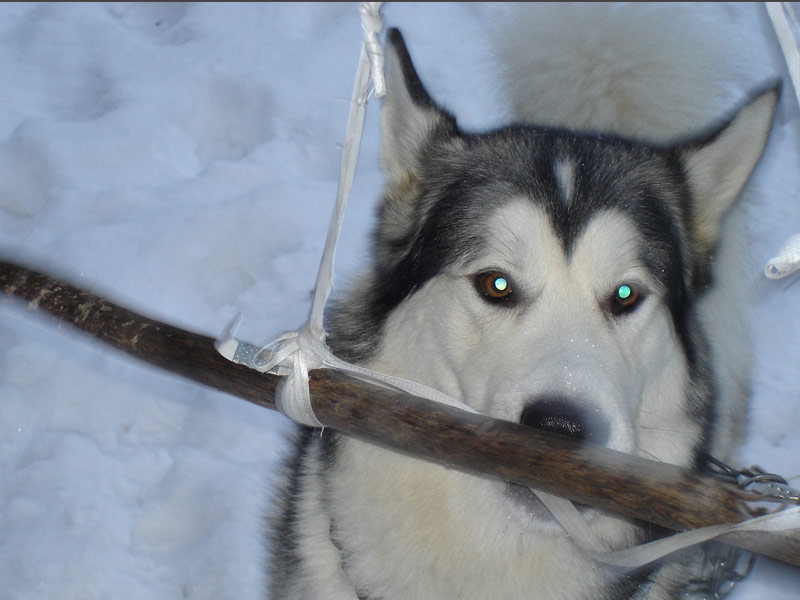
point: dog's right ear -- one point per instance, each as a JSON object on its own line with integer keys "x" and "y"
{"x": 410, "y": 119}
{"x": 719, "y": 164}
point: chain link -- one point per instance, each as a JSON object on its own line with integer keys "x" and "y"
{"x": 724, "y": 566}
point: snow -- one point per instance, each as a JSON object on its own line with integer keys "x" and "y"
{"x": 182, "y": 159}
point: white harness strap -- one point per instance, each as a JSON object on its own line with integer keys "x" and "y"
{"x": 582, "y": 535}
{"x": 295, "y": 353}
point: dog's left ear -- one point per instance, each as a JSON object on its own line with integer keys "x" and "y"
{"x": 410, "y": 119}
{"x": 718, "y": 165}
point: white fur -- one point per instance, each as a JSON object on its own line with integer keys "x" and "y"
{"x": 657, "y": 71}
{"x": 564, "y": 172}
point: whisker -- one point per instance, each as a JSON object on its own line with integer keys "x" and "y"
{"x": 663, "y": 429}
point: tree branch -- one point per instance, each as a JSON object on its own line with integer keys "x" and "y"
{"x": 651, "y": 491}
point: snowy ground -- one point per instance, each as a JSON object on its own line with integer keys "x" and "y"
{"x": 182, "y": 160}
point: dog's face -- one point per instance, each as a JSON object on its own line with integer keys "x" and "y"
{"x": 549, "y": 301}
{"x": 548, "y": 277}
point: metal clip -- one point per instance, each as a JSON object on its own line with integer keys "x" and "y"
{"x": 243, "y": 353}
{"x": 768, "y": 487}
{"x": 720, "y": 470}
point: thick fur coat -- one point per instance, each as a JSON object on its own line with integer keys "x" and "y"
{"x": 571, "y": 272}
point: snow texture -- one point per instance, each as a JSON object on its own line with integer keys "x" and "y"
{"x": 182, "y": 159}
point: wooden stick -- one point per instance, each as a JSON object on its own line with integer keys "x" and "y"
{"x": 659, "y": 493}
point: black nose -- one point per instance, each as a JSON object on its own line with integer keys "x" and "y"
{"x": 562, "y": 416}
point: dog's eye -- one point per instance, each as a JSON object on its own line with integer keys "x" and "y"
{"x": 494, "y": 286}
{"x": 625, "y": 299}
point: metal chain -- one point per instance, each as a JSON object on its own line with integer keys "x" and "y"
{"x": 724, "y": 566}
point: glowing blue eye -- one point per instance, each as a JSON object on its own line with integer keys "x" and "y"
{"x": 494, "y": 285}
{"x": 625, "y": 299}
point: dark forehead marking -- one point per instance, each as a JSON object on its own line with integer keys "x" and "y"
{"x": 644, "y": 183}
{"x": 607, "y": 173}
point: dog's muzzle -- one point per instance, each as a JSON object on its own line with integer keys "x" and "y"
{"x": 564, "y": 416}
{"x": 567, "y": 417}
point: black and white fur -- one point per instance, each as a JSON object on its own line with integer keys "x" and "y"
{"x": 589, "y": 191}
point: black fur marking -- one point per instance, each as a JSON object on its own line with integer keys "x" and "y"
{"x": 631, "y": 586}
{"x": 286, "y": 561}
{"x": 413, "y": 83}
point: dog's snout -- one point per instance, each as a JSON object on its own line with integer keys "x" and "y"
{"x": 560, "y": 415}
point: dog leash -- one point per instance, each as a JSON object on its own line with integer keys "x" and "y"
{"x": 293, "y": 354}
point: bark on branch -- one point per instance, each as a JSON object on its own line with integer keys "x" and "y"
{"x": 655, "y": 492}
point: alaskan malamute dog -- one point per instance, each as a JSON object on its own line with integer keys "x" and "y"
{"x": 567, "y": 272}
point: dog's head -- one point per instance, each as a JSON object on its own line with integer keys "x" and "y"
{"x": 547, "y": 276}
